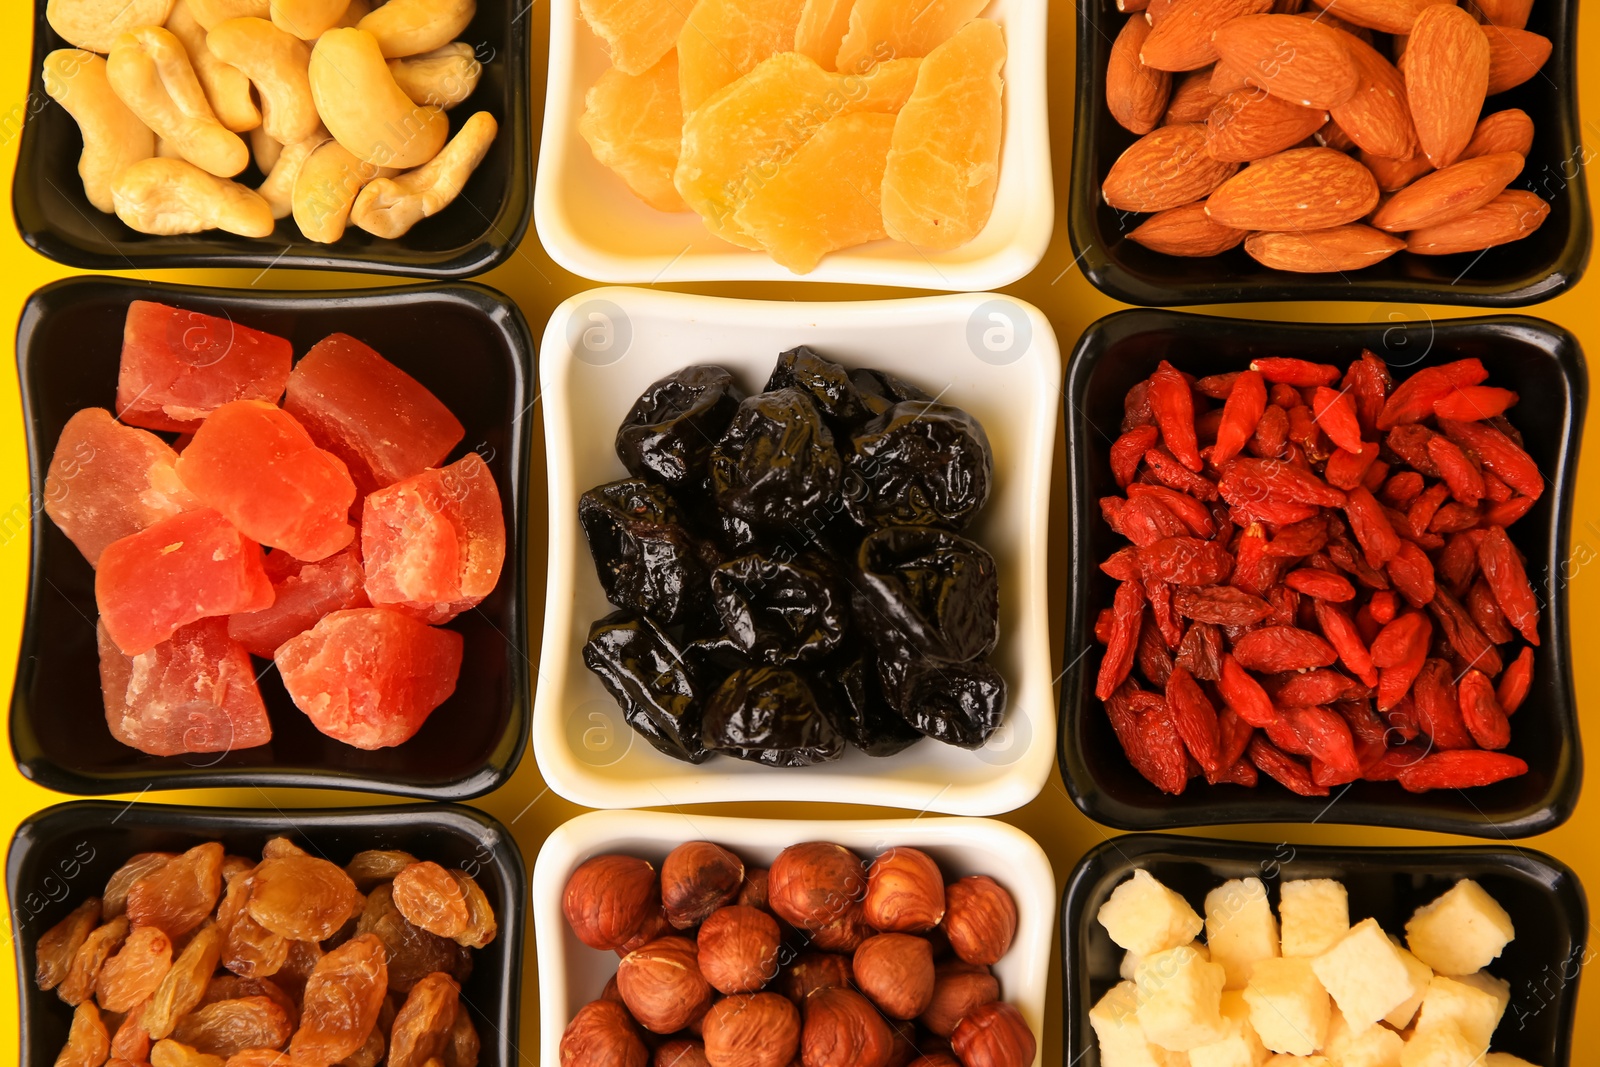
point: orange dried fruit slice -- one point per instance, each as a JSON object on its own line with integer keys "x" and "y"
{"x": 944, "y": 166}
{"x": 638, "y": 32}
{"x": 823, "y": 24}
{"x": 634, "y": 125}
{"x": 886, "y": 88}
{"x": 724, "y": 39}
{"x": 881, "y": 30}
{"x": 824, "y": 197}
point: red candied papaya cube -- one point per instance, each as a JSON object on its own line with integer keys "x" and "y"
{"x": 370, "y": 677}
{"x": 382, "y": 422}
{"x": 257, "y": 466}
{"x": 193, "y": 693}
{"x": 107, "y": 481}
{"x": 434, "y": 543}
{"x": 179, "y": 366}
{"x": 181, "y": 570}
{"x": 302, "y": 594}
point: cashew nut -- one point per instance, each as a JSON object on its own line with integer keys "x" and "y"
{"x": 212, "y": 13}
{"x": 169, "y": 196}
{"x": 278, "y": 189}
{"x": 95, "y": 25}
{"x": 150, "y": 71}
{"x": 165, "y": 149}
{"x": 307, "y": 19}
{"x": 443, "y": 77}
{"x": 363, "y": 107}
{"x": 275, "y": 62}
{"x": 113, "y": 136}
{"x": 388, "y": 207}
{"x": 227, "y": 89}
{"x": 411, "y": 27}
{"x": 326, "y": 187}
{"x": 264, "y": 149}
{"x": 358, "y": 10}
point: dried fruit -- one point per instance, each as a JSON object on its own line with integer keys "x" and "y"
{"x": 302, "y": 898}
{"x": 90, "y": 959}
{"x": 429, "y": 897}
{"x": 135, "y": 971}
{"x": 1460, "y": 770}
{"x": 88, "y": 1044}
{"x": 342, "y": 998}
{"x": 370, "y": 866}
{"x": 184, "y": 985}
{"x": 228, "y": 1027}
{"x": 412, "y": 953}
{"x": 177, "y": 896}
{"x": 57, "y": 946}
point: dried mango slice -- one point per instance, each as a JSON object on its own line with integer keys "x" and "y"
{"x": 634, "y": 125}
{"x": 881, "y": 30}
{"x": 824, "y": 197}
{"x": 823, "y": 24}
{"x": 724, "y": 39}
{"x": 886, "y": 88}
{"x": 638, "y": 32}
{"x": 939, "y": 188}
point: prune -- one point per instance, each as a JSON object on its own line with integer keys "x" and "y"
{"x": 178, "y": 896}
{"x": 428, "y": 897}
{"x": 879, "y": 391}
{"x": 225, "y": 1027}
{"x": 185, "y": 983}
{"x": 369, "y": 867}
{"x": 827, "y": 384}
{"x": 423, "y": 1024}
{"x": 776, "y": 467}
{"x": 770, "y": 715}
{"x": 116, "y": 895}
{"x": 932, "y": 591}
{"x": 960, "y": 704}
{"x": 302, "y": 898}
{"x": 918, "y": 464}
{"x": 412, "y": 952}
{"x": 481, "y": 925}
{"x": 91, "y": 956}
{"x": 865, "y": 718}
{"x": 59, "y": 944}
{"x": 779, "y": 612}
{"x": 668, "y": 433}
{"x": 647, "y": 675}
{"x": 648, "y": 561}
{"x": 88, "y": 1044}
{"x": 135, "y": 971}
{"x": 342, "y": 999}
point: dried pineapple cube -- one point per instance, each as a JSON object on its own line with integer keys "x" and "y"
{"x": 1180, "y": 999}
{"x": 1463, "y": 931}
{"x": 1376, "y": 1046}
{"x": 1421, "y": 976}
{"x": 1315, "y": 913}
{"x": 1240, "y": 928}
{"x": 1122, "y": 1040}
{"x": 1239, "y": 1047}
{"x": 1145, "y": 917}
{"x": 1365, "y": 975}
{"x": 1288, "y": 1006}
{"x": 1443, "y": 1046}
{"x": 1473, "y": 1009}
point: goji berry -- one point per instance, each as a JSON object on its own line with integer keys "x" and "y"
{"x": 1459, "y": 472}
{"x": 1185, "y": 561}
{"x": 1371, "y": 527}
{"x": 1274, "y": 649}
{"x": 1365, "y": 726}
{"x": 1320, "y": 686}
{"x": 1463, "y": 635}
{"x": 1369, "y": 383}
{"x": 1394, "y": 683}
{"x": 1252, "y": 571}
{"x": 1123, "y": 564}
{"x": 1335, "y": 412}
{"x": 1402, "y": 639}
{"x": 1411, "y": 571}
{"x": 1323, "y": 585}
{"x": 1243, "y": 772}
{"x": 1413, "y": 399}
{"x": 1348, "y": 558}
{"x": 1300, "y": 373}
{"x": 1283, "y": 735}
{"x": 1347, "y": 469}
{"x": 1516, "y": 682}
{"x": 1499, "y": 453}
{"x": 1329, "y": 774}
{"x": 1127, "y": 609}
{"x": 1159, "y": 594}
{"x": 1196, "y": 720}
{"x": 1341, "y": 634}
{"x": 1287, "y": 772}
{"x": 1165, "y": 468}
{"x": 1307, "y": 436}
{"x": 1426, "y": 505}
{"x": 1299, "y": 538}
{"x": 1233, "y": 735}
{"x": 1241, "y": 415}
{"x": 1275, "y": 479}
{"x": 1244, "y": 694}
{"x": 1173, "y": 406}
{"x": 1401, "y": 489}
{"x": 1502, "y": 568}
{"x": 1485, "y": 613}
{"x": 1103, "y": 625}
{"x": 1385, "y": 605}
{"x": 1206, "y": 425}
{"x": 1285, "y": 604}
{"x": 1438, "y": 709}
{"x": 1194, "y": 515}
{"x": 1152, "y": 657}
{"x": 1460, "y": 770}
{"x": 1136, "y": 409}
{"x": 1145, "y": 520}
{"x": 1375, "y": 476}
{"x": 1271, "y": 512}
{"x": 1128, "y": 450}
{"x": 1272, "y": 433}
{"x": 1219, "y": 386}
{"x": 1402, "y": 720}
{"x": 1283, "y": 395}
{"x": 1458, "y": 562}
{"x": 1473, "y": 402}
{"x": 1163, "y": 759}
{"x": 1495, "y": 490}
{"x": 1410, "y": 443}
{"x": 1395, "y": 762}
{"x": 1221, "y": 605}
{"x": 1480, "y": 709}
{"x": 1509, "y": 512}
{"x": 1453, "y": 518}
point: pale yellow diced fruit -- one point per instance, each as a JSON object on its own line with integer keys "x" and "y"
{"x": 1421, "y": 975}
{"x": 633, "y": 125}
{"x": 1463, "y": 931}
{"x": 1180, "y": 999}
{"x": 1377, "y": 1046}
{"x": 1288, "y": 1006}
{"x": 1315, "y": 914}
{"x": 1442, "y": 1046}
{"x": 1129, "y": 967}
{"x": 1240, "y": 928}
{"x": 1145, "y": 917}
{"x": 1505, "y": 1059}
{"x": 1122, "y": 1040}
{"x": 1240, "y": 1047}
{"x": 1471, "y": 1009}
{"x": 1365, "y": 975}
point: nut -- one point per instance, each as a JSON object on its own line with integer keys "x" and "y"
{"x": 980, "y": 919}
{"x": 813, "y": 884}
{"x": 905, "y": 892}
{"x": 843, "y": 1029}
{"x": 364, "y": 109}
{"x": 994, "y": 1035}
{"x": 175, "y": 196}
{"x": 895, "y": 971}
{"x": 753, "y": 894}
{"x": 411, "y": 27}
{"x": 227, "y": 87}
{"x": 935, "y": 1059}
{"x": 277, "y": 64}
{"x": 813, "y": 971}
{"x": 151, "y": 73}
{"x": 113, "y": 137}
{"x": 95, "y": 25}
{"x": 697, "y": 878}
{"x": 680, "y": 1052}
{"x": 608, "y": 898}
{"x": 662, "y": 986}
{"x": 441, "y": 78}
{"x": 844, "y": 934}
{"x": 958, "y": 988}
{"x": 739, "y": 949}
{"x": 278, "y": 188}
{"x": 602, "y": 1033}
{"x": 610, "y": 991}
{"x": 752, "y": 1030}
{"x": 307, "y": 19}
{"x": 325, "y": 188}
{"x": 654, "y": 926}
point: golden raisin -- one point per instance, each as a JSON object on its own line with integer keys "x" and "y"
{"x": 372, "y": 866}
{"x": 429, "y": 897}
{"x": 225, "y": 1027}
{"x": 423, "y": 1024}
{"x": 56, "y": 948}
{"x": 301, "y": 897}
{"x": 104, "y": 940}
{"x": 132, "y": 1040}
{"x": 412, "y": 951}
{"x": 135, "y": 971}
{"x": 279, "y": 847}
{"x": 342, "y": 1000}
{"x": 178, "y": 897}
{"x": 252, "y": 951}
{"x": 235, "y": 866}
{"x": 170, "y": 1053}
{"x": 260, "y": 1057}
{"x": 235, "y": 895}
{"x": 370, "y": 1054}
{"x": 481, "y": 924}
{"x": 232, "y": 987}
{"x": 185, "y": 983}
{"x": 302, "y": 959}
{"x": 87, "y": 1041}
{"x": 116, "y": 895}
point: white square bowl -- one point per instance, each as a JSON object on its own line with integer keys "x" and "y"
{"x": 992, "y": 355}
{"x": 571, "y": 974}
{"x": 594, "y": 227}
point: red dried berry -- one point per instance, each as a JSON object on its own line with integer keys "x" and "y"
{"x": 1296, "y": 372}
{"x": 1460, "y": 770}
{"x": 1473, "y": 402}
{"x": 1481, "y": 711}
{"x": 1413, "y": 399}
{"x": 1498, "y": 453}
{"x": 1246, "y": 403}
{"x": 1335, "y": 412}
{"x": 1274, "y": 649}
{"x": 1173, "y": 407}
{"x": 1502, "y": 568}
{"x": 1285, "y": 770}
{"x": 1195, "y": 720}
{"x": 1516, "y": 682}
{"x": 1128, "y": 450}
{"x": 1320, "y": 584}
{"x": 1126, "y": 609}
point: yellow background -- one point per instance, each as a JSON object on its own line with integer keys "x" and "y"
{"x": 538, "y": 285}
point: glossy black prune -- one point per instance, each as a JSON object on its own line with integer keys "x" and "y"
{"x": 961, "y": 704}
{"x": 668, "y": 434}
{"x": 779, "y": 612}
{"x": 770, "y": 715}
{"x": 827, "y": 383}
{"x": 931, "y": 591}
{"x": 879, "y": 391}
{"x": 648, "y": 561}
{"x": 649, "y": 678}
{"x": 776, "y": 465}
{"x": 918, "y": 464}
{"x": 864, "y": 716}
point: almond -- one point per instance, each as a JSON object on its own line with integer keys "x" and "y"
{"x": 1165, "y": 168}
{"x": 1226, "y": 79}
{"x": 1386, "y": 16}
{"x": 1510, "y": 130}
{"x": 1338, "y": 248}
{"x": 1377, "y": 117}
{"x": 1250, "y": 124}
{"x": 1292, "y": 58}
{"x": 1331, "y": 135}
{"x": 1334, "y": 22}
{"x": 1156, "y": 10}
{"x": 1510, "y": 216}
{"x": 1514, "y": 56}
{"x": 1192, "y": 98}
{"x": 1182, "y": 37}
{"x": 1395, "y": 174}
{"x": 1186, "y": 231}
{"x": 1512, "y": 14}
{"x": 1447, "y": 77}
{"x": 1301, "y": 189}
{"x": 1449, "y": 193}
{"x": 1135, "y": 94}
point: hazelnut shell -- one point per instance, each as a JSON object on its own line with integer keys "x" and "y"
{"x": 752, "y": 1030}
{"x": 905, "y": 892}
{"x": 895, "y": 971}
{"x": 980, "y": 919}
{"x": 697, "y": 878}
{"x": 661, "y": 984}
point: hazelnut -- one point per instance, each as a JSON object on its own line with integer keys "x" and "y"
{"x": 905, "y": 892}
{"x": 843, "y": 1029}
{"x": 958, "y": 987}
{"x": 608, "y": 898}
{"x": 661, "y": 984}
{"x": 753, "y": 894}
{"x": 752, "y": 1030}
{"x": 739, "y": 949}
{"x": 680, "y": 1052}
{"x": 602, "y": 1035}
{"x": 697, "y": 878}
{"x": 994, "y": 1035}
{"x": 980, "y": 919}
{"x": 844, "y": 934}
{"x": 654, "y": 926}
{"x": 895, "y": 971}
{"x": 813, "y": 884}
{"x": 610, "y": 991}
{"x": 814, "y": 970}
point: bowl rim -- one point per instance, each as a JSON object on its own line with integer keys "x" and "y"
{"x": 1029, "y": 875}
{"x": 1078, "y": 772}
{"x": 1020, "y": 782}
{"x": 1017, "y": 259}
{"x": 499, "y": 311}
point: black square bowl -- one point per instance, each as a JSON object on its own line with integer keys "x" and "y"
{"x": 1543, "y": 896}
{"x": 479, "y": 230}
{"x": 66, "y": 853}
{"x": 468, "y": 344}
{"x": 1513, "y": 275}
{"x": 1542, "y": 362}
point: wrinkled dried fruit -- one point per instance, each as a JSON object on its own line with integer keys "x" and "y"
{"x": 228, "y": 1027}
{"x": 430, "y": 898}
{"x": 58, "y": 945}
{"x": 178, "y": 896}
{"x": 302, "y": 898}
{"x": 342, "y": 998}
{"x": 135, "y": 971}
